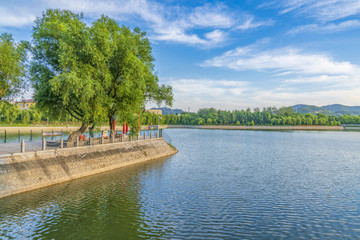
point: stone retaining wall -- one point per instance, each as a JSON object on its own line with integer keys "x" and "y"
{"x": 27, "y": 171}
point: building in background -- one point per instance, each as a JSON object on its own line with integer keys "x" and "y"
{"x": 25, "y": 104}
{"x": 156, "y": 111}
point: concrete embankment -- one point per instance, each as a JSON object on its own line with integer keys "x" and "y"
{"x": 229, "y": 127}
{"x": 27, "y": 171}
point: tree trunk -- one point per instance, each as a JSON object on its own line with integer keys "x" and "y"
{"x": 77, "y": 133}
{"x": 112, "y": 130}
{"x": 91, "y": 130}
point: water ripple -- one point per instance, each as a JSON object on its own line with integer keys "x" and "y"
{"x": 221, "y": 185}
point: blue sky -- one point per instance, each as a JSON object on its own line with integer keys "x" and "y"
{"x": 233, "y": 54}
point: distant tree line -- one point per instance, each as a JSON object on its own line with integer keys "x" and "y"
{"x": 270, "y": 116}
{"x": 285, "y": 116}
{"x": 12, "y": 114}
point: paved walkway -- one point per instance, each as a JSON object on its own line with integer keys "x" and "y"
{"x": 15, "y": 147}
{"x": 8, "y": 148}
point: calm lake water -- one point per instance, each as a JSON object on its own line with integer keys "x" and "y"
{"x": 222, "y": 184}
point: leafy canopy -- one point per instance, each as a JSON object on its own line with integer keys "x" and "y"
{"x": 64, "y": 69}
{"x": 128, "y": 63}
{"x": 12, "y": 66}
{"x": 92, "y": 72}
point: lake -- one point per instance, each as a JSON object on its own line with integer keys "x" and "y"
{"x": 223, "y": 184}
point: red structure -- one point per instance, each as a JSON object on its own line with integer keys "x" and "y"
{"x": 124, "y": 128}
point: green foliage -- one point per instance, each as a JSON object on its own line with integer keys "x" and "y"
{"x": 35, "y": 114}
{"x": 12, "y": 66}
{"x": 25, "y": 116}
{"x": 64, "y": 68}
{"x": 92, "y": 72}
{"x": 9, "y": 112}
{"x": 127, "y": 62}
{"x": 285, "y": 111}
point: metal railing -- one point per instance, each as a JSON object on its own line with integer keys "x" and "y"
{"x": 27, "y": 145}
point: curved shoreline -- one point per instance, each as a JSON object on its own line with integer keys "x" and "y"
{"x": 21, "y": 172}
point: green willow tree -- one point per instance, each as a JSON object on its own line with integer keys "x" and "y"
{"x": 65, "y": 72}
{"x": 12, "y": 66}
{"x": 11, "y": 112}
{"x": 92, "y": 73}
{"x": 128, "y": 64}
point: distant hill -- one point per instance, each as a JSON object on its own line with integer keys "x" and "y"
{"x": 342, "y": 109}
{"x": 302, "y": 108}
{"x": 334, "y": 109}
{"x": 169, "y": 111}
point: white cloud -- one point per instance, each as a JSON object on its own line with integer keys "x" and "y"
{"x": 208, "y": 87}
{"x": 203, "y": 25}
{"x": 320, "y": 97}
{"x": 211, "y": 16}
{"x": 146, "y": 10}
{"x": 290, "y": 76}
{"x": 341, "y": 79}
{"x": 325, "y": 10}
{"x": 215, "y": 36}
{"x": 230, "y": 94}
{"x": 281, "y": 61}
{"x": 326, "y": 28}
{"x": 250, "y": 23}
{"x": 199, "y": 93}
{"x": 178, "y": 26}
{"x": 16, "y": 17}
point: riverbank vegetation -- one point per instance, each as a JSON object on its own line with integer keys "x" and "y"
{"x": 270, "y": 116}
{"x": 12, "y": 115}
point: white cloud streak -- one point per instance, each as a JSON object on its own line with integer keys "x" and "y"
{"x": 281, "y": 61}
{"x": 250, "y": 23}
{"x": 326, "y": 28}
{"x": 325, "y": 10}
{"x": 320, "y": 97}
{"x": 211, "y": 16}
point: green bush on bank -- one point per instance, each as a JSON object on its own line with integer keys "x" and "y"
{"x": 11, "y": 115}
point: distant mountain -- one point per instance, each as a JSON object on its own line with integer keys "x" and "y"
{"x": 302, "y": 108}
{"x": 169, "y": 111}
{"x": 334, "y": 109}
{"x": 342, "y": 109}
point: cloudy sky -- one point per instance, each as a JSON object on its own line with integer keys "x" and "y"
{"x": 233, "y": 54}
